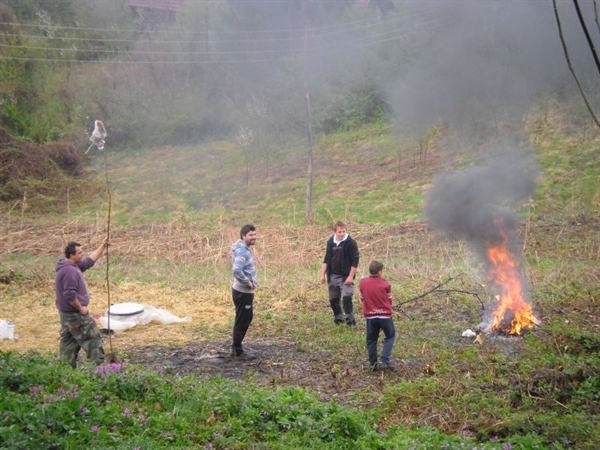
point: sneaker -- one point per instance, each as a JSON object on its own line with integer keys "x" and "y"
{"x": 242, "y": 356}
{"x": 375, "y": 367}
{"x": 387, "y": 366}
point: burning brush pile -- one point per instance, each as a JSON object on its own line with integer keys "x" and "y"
{"x": 513, "y": 314}
{"x": 480, "y": 207}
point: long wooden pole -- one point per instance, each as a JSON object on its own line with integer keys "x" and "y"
{"x": 107, "y": 257}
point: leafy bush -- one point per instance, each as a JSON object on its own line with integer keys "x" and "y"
{"x": 46, "y": 404}
{"x": 360, "y": 105}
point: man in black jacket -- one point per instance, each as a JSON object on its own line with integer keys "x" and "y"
{"x": 339, "y": 269}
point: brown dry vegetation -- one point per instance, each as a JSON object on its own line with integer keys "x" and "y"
{"x": 33, "y": 175}
{"x": 207, "y": 303}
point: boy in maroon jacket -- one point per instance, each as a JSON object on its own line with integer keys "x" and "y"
{"x": 376, "y": 298}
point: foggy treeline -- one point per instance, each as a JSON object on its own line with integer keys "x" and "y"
{"x": 241, "y": 69}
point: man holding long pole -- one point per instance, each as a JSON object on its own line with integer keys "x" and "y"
{"x": 78, "y": 327}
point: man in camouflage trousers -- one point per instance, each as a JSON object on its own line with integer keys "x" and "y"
{"x": 78, "y": 327}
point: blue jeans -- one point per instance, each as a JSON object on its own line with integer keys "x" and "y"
{"x": 373, "y": 327}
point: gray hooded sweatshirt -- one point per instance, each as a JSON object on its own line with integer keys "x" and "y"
{"x": 244, "y": 271}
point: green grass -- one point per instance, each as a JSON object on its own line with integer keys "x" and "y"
{"x": 535, "y": 392}
{"x": 571, "y": 175}
{"x": 46, "y": 404}
{"x": 154, "y": 186}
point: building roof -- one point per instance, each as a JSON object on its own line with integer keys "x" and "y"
{"x": 171, "y": 5}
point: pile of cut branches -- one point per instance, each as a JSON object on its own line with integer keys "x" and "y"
{"x": 38, "y": 176}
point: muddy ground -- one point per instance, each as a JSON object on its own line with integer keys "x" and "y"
{"x": 275, "y": 362}
{"x": 279, "y": 363}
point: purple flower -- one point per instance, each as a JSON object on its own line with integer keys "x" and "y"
{"x": 114, "y": 367}
{"x": 35, "y": 391}
{"x": 68, "y": 394}
{"x": 95, "y": 429}
{"x": 126, "y": 413}
{"x": 83, "y": 410}
{"x": 506, "y": 446}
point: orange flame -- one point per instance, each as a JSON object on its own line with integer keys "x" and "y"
{"x": 513, "y": 314}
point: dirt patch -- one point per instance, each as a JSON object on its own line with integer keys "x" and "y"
{"x": 276, "y": 363}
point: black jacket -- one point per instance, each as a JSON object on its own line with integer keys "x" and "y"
{"x": 350, "y": 255}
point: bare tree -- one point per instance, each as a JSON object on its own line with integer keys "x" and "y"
{"x": 245, "y": 138}
{"x": 567, "y": 57}
{"x": 587, "y": 35}
{"x": 309, "y": 130}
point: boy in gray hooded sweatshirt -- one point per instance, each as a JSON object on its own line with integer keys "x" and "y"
{"x": 244, "y": 284}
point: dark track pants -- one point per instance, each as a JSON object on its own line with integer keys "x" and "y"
{"x": 243, "y": 317}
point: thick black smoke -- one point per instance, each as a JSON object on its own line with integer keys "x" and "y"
{"x": 473, "y": 205}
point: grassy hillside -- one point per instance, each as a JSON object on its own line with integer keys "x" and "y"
{"x": 366, "y": 176}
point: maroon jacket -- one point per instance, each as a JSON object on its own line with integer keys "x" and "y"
{"x": 70, "y": 284}
{"x": 376, "y": 296}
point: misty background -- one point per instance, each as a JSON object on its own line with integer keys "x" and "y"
{"x": 268, "y": 75}
{"x": 206, "y": 70}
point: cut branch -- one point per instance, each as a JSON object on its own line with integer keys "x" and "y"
{"x": 460, "y": 291}
{"x": 424, "y": 294}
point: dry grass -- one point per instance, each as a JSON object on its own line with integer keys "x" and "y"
{"x": 185, "y": 270}
{"x": 190, "y": 269}
{"x": 38, "y": 324}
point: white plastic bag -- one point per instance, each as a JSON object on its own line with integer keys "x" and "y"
{"x": 7, "y": 330}
{"x": 150, "y": 314}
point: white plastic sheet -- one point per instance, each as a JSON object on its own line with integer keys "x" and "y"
{"x": 150, "y": 314}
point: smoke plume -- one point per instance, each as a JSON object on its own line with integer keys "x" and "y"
{"x": 470, "y": 205}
